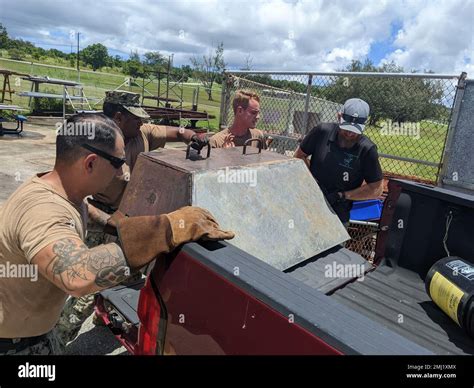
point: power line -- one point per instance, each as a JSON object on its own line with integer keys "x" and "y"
{"x": 53, "y": 44}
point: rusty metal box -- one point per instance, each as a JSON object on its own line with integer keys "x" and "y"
{"x": 270, "y": 201}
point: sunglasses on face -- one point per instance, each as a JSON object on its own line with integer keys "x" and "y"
{"x": 355, "y": 120}
{"x": 114, "y": 161}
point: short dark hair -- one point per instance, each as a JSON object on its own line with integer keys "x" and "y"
{"x": 110, "y": 109}
{"x": 72, "y": 134}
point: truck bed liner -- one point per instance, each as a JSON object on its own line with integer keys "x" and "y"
{"x": 397, "y": 299}
{"x": 339, "y": 326}
{"x": 313, "y": 272}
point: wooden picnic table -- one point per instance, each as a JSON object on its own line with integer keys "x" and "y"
{"x": 6, "y": 84}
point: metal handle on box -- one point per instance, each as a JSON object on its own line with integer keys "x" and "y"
{"x": 247, "y": 142}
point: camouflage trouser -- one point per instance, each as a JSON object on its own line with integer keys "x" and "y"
{"x": 47, "y": 346}
{"x": 74, "y": 314}
{"x": 77, "y": 310}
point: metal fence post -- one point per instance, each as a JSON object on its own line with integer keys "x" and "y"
{"x": 306, "y": 103}
{"x": 224, "y": 105}
{"x": 287, "y": 128}
{"x": 64, "y": 102}
{"x": 442, "y": 178}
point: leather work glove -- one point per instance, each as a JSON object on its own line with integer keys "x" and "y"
{"x": 199, "y": 143}
{"x": 335, "y": 197}
{"x": 111, "y": 226}
{"x": 144, "y": 238}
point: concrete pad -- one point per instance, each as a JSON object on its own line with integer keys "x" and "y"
{"x": 23, "y": 157}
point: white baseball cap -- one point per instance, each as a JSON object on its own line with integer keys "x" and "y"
{"x": 354, "y": 115}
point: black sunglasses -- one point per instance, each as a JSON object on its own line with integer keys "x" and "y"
{"x": 354, "y": 120}
{"x": 114, "y": 161}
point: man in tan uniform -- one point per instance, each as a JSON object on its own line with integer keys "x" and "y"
{"x": 124, "y": 108}
{"x": 43, "y": 226}
{"x": 246, "y": 105}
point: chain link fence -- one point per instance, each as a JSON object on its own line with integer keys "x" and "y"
{"x": 408, "y": 122}
{"x": 409, "y": 119}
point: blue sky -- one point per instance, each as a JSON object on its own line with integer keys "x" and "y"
{"x": 318, "y": 35}
{"x": 380, "y": 49}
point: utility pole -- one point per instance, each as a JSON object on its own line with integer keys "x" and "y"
{"x": 78, "y": 71}
{"x": 167, "y": 104}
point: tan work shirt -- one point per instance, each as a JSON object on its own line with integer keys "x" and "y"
{"x": 151, "y": 137}
{"x": 34, "y": 216}
{"x": 217, "y": 140}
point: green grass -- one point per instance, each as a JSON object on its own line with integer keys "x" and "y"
{"x": 427, "y": 145}
{"x": 95, "y": 86}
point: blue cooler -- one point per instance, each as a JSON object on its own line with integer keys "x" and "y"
{"x": 366, "y": 210}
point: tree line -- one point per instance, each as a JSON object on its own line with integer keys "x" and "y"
{"x": 401, "y": 99}
{"x": 207, "y": 68}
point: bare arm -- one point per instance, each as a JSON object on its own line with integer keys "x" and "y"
{"x": 78, "y": 270}
{"x": 368, "y": 191}
{"x": 301, "y": 155}
{"x": 97, "y": 219}
{"x": 179, "y": 134}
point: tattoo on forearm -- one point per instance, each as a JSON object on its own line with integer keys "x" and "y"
{"x": 73, "y": 260}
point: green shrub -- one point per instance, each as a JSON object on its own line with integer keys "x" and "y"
{"x": 16, "y": 54}
{"x": 50, "y": 104}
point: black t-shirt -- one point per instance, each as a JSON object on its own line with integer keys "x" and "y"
{"x": 340, "y": 169}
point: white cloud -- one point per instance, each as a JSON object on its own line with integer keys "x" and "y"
{"x": 338, "y": 53}
{"x": 287, "y": 35}
{"x": 440, "y": 38}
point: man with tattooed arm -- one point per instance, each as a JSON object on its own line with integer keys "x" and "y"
{"x": 43, "y": 224}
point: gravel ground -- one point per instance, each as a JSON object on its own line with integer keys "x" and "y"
{"x": 95, "y": 340}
